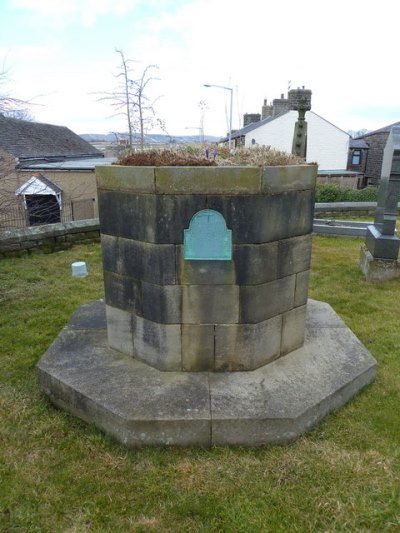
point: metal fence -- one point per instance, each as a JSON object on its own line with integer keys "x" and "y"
{"x": 17, "y": 217}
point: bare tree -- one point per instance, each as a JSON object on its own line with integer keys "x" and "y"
{"x": 10, "y": 106}
{"x": 130, "y": 98}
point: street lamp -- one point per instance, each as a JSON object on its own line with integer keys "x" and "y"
{"x": 230, "y": 112}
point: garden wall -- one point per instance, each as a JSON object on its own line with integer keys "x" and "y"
{"x": 48, "y": 238}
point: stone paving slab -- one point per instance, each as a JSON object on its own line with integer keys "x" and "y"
{"x": 139, "y": 405}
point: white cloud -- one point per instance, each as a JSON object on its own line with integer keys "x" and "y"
{"x": 345, "y": 53}
{"x": 85, "y": 10}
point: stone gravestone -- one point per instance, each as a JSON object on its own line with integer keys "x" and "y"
{"x": 379, "y": 256}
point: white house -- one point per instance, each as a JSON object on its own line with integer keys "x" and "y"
{"x": 327, "y": 144}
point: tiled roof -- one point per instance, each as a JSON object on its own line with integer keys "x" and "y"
{"x": 31, "y": 140}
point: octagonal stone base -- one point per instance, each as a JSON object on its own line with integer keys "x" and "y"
{"x": 139, "y": 405}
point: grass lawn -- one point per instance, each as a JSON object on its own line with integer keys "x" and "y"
{"x": 57, "y": 474}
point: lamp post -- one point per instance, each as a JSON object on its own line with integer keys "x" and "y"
{"x": 200, "y": 130}
{"x": 230, "y": 112}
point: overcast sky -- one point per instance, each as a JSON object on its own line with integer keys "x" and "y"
{"x": 60, "y": 52}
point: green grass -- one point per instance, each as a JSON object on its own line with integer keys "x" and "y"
{"x": 57, "y": 474}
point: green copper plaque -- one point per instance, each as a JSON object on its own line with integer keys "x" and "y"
{"x": 207, "y": 238}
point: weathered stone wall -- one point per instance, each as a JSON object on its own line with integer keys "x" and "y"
{"x": 177, "y": 314}
{"x": 48, "y": 238}
{"x": 377, "y": 143}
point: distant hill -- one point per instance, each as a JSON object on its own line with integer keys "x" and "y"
{"x": 150, "y": 138}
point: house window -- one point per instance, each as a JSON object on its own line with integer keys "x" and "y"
{"x": 356, "y": 157}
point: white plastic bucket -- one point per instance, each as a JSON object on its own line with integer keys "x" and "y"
{"x": 79, "y": 269}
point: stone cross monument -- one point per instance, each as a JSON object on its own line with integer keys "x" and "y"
{"x": 300, "y": 101}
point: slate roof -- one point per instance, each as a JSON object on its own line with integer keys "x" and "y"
{"x": 385, "y": 129}
{"x": 252, "y": 126}
{"x": 34, "y": 140}
{"x": 358, "y": 143}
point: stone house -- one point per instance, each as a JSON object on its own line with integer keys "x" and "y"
{"x": 367, "y": 152}
{"x": 327, "y": 144}
{"x": 46, "y": 174}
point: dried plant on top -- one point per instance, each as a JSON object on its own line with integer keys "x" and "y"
{"x": 210, "y": 155}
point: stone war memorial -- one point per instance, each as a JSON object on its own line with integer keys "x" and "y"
{"x": 206, "y": 335}
{"x": 379, "y": 256}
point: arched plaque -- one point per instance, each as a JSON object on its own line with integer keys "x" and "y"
{"x": 207, "y": 238}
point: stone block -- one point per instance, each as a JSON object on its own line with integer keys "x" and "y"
{"x": 122, "y": 292}
{"x": 89, "y": 316}
{"x": 139, "y": 405}
{"x": 128, "y": 215}
{"x": 261, "y": 302}
{"x": 158, "y": 345}
{"x": 255, "y": 263}
{"x": 301, "y": 290}
{"x": 288, "y": 178}
{"x": 110, "y": 252}
{"x": 205, "y": 180}
{"x": 293, "y": 329}
{"x": 378, "y": 269}
{"x": 210, "y": 304}
{"x": 197, "y": 348}
{"x": 174, "y": 213}
{"x": 247, "y": 346}
{"x": 119, "y": 329}
{"x": 382, "y": 246}
{"x": 123, "y": 178}
{"x": 162, "y": 303}
{"x": 154, "y": 263}
{"x": 294, "y": 255}
{"x": 266, "y": 218}
{"x": 203, "y": 272}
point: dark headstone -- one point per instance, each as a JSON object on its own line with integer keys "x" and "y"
{"x": 381, "y": 240}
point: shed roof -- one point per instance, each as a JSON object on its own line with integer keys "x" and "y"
{"x": 31, "y": 140}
